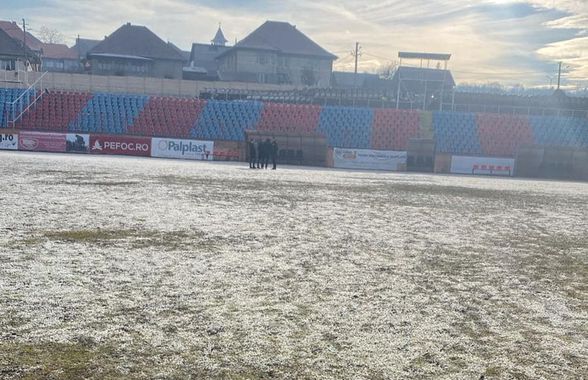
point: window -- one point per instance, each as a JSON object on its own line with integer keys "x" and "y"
{"x": 262, "y": 59}
{"x": 7, "y": 64}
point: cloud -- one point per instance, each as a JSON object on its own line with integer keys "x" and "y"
{"x": 491, "y": 40}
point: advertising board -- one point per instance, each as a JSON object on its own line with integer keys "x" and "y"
{"x": 228, "y": 151}
{"x": 9, "y": 141}
{"x": 77, "y": 143}
{"x": 41, "y": 141}
{"x": 369, "y": 159}
{"x": 482, "y": 166}
{"x": 183, "y": 149}
{"x": 122, "y": 145}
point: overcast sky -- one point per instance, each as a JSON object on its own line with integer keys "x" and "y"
{"x": 491, "y": 40}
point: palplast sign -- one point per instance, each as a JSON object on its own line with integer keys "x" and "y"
{"x": 183, "y": 149}
{"x": 41, "y": 142}
{"x": 123, "y": 145}
{"x": 482, "y": 166}
{"x": 9, "y": 141}
{"x": 368, "y": 159}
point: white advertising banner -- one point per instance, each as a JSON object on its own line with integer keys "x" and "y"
{"x": 482, "y": 165}
{"x": 9, "y": 141}
{"x": 184, "y": 149}
{"x": 369, "y": 159}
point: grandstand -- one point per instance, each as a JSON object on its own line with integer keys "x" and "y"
{"x": 418, "y": 104}
{"x": 467, "y": 133}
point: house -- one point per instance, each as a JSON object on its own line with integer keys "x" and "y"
{"x": 83, "y": 46}
{"x": 12, "y": 52}
{"x": 59, "y": 58}
{"x": 203, "y": 58}
{"x": 185, "y": 54}
{"x": 14, "y": 31}
{"x": 134, "y": 50}
{"x": 278, "y": 53}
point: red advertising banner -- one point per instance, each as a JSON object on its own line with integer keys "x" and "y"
{"x": 126, "y": 145}
{"x": 41, "y": 142}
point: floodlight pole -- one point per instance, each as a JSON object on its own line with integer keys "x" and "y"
{"x": 356, "y": 54}
{"x": 24, "y": 41}
{"x": 398, "y": 90}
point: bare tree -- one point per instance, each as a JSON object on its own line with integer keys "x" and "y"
{"x": 50, "y": 36}
{"x": 387, "y": 70}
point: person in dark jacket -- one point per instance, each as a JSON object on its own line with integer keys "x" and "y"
{"x": 267, "y": 145}
{"x": 260, "y": 153}
{"x": 274, "y": 153}
{"x": 252, "y": 154}
{"x": 257, "y": 153}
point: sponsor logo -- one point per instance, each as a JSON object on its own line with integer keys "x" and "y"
{"x": 185, "y": 147}
{"x": 176, "y": 148}
{"x": 350, "y": 155}
{"x": 8, "y": 141}
{"x": 120, "y": 146}
{"x": 29, "y": 143}
{"x": 97, "y": 145}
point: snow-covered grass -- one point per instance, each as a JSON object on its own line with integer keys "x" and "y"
{"x": 141, "y": 268}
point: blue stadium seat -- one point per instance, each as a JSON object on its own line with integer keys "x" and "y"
{"x": 347, "y": 127}
{"x": 9, "y": 95}
{"x": 227, "y": 120}
{"x": 109, "y": 113}
{"x": 560, "y": 131}
{"x": 456, "y": 133}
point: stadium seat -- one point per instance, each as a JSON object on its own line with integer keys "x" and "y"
{"x": 54, "y": 111}
{"x": 456, "y": 133}
{"x": 347, "y": 127}
{"x": 227, "y": 120}
{"x": 109, "y": 113}
{"x": 167, "y": 117}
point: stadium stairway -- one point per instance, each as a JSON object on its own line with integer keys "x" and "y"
{"x": 426, "y": 125}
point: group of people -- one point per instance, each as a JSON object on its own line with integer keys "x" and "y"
{"x": 261, "y": 152}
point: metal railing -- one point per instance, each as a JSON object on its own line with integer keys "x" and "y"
{"x": 25, "y": 101}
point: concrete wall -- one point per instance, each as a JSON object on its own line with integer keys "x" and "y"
{"x": 131, "y": 85}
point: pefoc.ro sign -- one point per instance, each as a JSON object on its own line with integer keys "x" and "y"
{"x": 125, "y": 145}
{"x": 185, "y": 149}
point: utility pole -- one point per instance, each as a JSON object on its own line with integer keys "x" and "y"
{"x": 559, "y": 76}
{"x": 24, "y": 40}
{"x": 356, "y": 54}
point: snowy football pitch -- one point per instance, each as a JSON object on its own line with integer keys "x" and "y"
{"x": 142, "y": 268}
